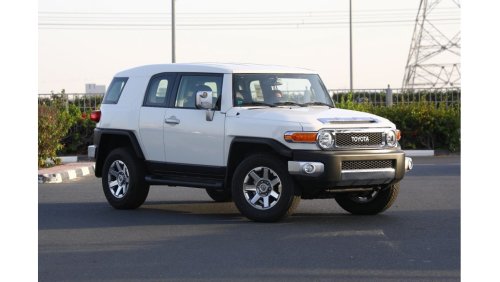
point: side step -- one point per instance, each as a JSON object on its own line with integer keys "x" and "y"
{"x": 183, "y": 181}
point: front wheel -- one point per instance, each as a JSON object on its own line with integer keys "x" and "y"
{"x": 263, "y": 190}
{"x": 123, "y": 180}
{"x": 369, "y": 203}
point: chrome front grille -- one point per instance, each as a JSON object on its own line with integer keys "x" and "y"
{"x": 359, "y": 139}
{"x": 353, "y": 165}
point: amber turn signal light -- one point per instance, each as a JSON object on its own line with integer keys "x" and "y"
{"x": 398, "y": 134}
{"x": 301, "y": 137}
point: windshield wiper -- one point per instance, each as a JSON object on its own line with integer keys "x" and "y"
{"x": 256, "y": 104}
{"x": 317, "y": 104}
{"x": 288, "y": 103}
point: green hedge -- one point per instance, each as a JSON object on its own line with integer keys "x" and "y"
{"x": 80, "y": 135}
{"x": 54, "y": 121}
{"x": 62, "y": 130}
{"x": 423, "y": 125}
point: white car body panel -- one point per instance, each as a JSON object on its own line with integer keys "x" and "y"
{"x": 194, "y": 140}
{"x": 151, "y": 130}
{"x": 200, "y": 142}
{"x": 149, "y": 70}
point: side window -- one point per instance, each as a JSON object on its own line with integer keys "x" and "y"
{"x": 115, "y": 90}
{"x": 156, "y": 95}
{"x": 191, "y": 84}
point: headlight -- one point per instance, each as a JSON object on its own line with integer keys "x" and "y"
{"x": 390, "y": 138}
{"x": 325, "y": 140}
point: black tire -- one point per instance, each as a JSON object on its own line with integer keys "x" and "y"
{"x": 282, "y": 194}
{"x": 219, "y": 195}
{"x": 369, "y": 203}
{"x": 125, "y": 194}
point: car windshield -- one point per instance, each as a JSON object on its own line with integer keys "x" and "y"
{"x": 301, "y": 90}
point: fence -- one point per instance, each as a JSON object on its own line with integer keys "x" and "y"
{"x": 86, "y": 102}
{"x": 389, "y": 96}
{"x": 379, "y": 97}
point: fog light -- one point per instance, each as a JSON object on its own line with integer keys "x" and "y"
{"x": 408, "y": 164}
{"x": 309, "y": 168}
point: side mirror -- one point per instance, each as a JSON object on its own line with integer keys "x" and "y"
{"x": 204, "y": 100}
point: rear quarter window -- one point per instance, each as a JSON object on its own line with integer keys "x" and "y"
{"x": 115, "y": 90}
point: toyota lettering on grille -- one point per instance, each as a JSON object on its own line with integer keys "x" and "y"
{"x": 360, "y": 139}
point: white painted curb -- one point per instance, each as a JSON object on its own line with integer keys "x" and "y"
{"x": 65, "y": 175}
{"x": 419, "y": 153}
{"x": 70, "y": 159}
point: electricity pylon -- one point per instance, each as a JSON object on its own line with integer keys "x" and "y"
{"x": 434, "y": 57}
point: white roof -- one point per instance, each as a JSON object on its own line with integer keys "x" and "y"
{"x": 149, "y": 70}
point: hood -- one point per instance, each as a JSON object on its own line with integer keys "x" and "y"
{"x": 313, "y": 117}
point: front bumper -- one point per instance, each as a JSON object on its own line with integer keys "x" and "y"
{"x": 331, "y": 173}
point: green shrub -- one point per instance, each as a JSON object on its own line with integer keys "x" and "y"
{"x": 62, "y": 128}
{"x": 80, "y": 135}
{"x": 423, "y": 125}
{"x": 53, "y": 124}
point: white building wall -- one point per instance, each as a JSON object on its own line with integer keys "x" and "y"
{"x": 92, "y": 88}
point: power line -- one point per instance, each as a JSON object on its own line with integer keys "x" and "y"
{"x": 248, "y": 12}
{"x": 233, "y": 20}
{"x": 165, "y": 18}
{"x": 236, "y": 24}
{"x": 250, "y": 28}
{"x": 236, "y": 19}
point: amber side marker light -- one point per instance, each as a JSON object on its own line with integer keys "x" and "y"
{"x": 95, "y": 116}
{"x": 301, "y": 137}
{"x": 398, "y": 134}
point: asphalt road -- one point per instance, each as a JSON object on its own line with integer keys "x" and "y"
{"x": 180, "y": 234}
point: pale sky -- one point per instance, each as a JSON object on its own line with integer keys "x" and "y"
{"x": 89, "y": 41}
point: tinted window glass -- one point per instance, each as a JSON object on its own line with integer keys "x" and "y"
{"x": 157, "y": 91}
{"x": 115, "y": 90}
{"x": 190, "y": 84}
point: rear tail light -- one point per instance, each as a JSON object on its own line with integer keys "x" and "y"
{"x": 95, "y": 116}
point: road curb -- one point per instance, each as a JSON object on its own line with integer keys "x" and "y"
{"x": 66, "y": 175}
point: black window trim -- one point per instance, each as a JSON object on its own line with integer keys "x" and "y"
{"x": 125, "y": 80}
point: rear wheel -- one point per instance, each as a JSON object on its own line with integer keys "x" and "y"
{"x": 219, "y": 195}
{"x": 123, "y": 180}
{"x": 263, "y": 190}
{"x": 368, "y": 203}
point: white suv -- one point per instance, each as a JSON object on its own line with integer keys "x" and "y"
{"x": 263, "y": 136}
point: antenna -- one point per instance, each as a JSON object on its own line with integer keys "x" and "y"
{"x": 434, "y": 57}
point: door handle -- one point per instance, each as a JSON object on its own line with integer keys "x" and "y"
{"x": 172, "y": 120}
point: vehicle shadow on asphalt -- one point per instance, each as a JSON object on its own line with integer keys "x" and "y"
{"x": 94, "y": 215}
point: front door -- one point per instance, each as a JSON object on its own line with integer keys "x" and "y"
{"x": 188, "y": 137}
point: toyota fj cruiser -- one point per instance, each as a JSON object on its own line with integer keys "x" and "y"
{"x": 262, "y": 136}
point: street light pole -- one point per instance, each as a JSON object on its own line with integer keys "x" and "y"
{"x": 173, "y": 31}
{"x": 350, "y": 41}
